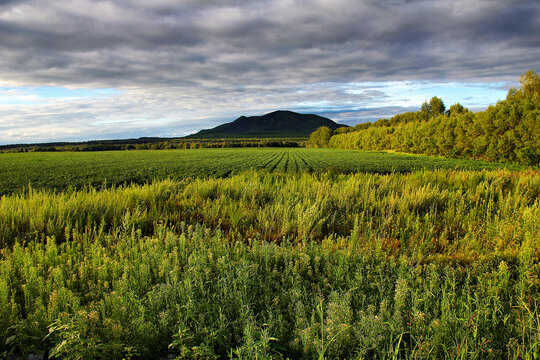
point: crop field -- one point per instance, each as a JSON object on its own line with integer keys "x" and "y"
{"x": 267, "y": 253}
{"x": 62, "y": 170}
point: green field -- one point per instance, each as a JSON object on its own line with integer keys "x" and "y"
{"x": 267, "y": 254}
{"x": 61, "y": 170}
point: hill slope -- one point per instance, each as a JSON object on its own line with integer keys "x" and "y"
{"x": 275, "y": 124}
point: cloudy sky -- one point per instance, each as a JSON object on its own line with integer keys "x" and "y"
{"x": 81, "y": 69}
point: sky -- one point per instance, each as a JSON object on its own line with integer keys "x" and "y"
{"x": 86, "y": 69}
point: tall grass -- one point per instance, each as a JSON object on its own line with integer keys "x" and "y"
{"x": 190, "y": 293}
{"x": 432, "y": 264}
{"x": 427, "y": 214}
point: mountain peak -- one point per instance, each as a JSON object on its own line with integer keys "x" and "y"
{"x": 279, "y": 123}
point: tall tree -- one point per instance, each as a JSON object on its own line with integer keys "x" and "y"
{"x": 436, "y": 106}
{"x": 530, "y": 85}
{"x": 320, "y": 137}
{"x": 456, "y": 109}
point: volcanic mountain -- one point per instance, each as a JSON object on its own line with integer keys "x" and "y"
{"x": 275, "y": 124}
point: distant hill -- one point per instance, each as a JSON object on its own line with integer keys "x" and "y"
{"x": 275, "y": 124}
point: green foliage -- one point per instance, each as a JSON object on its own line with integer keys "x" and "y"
{"x": 456, "y": 109}
{"x": 435, "y": 107}
{"x": 71, "y": 344}
{"x": 428, "y": 213}
{"x": 320, "y": 137}
{"x": 187, "y": 291}
{"x": 530, "y": 87}
{"x": 508, "y": 132}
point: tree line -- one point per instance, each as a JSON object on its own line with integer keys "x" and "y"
{"x": 154, "y": 144}
{"x": 506, "y": 132}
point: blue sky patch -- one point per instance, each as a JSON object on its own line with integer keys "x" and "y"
{"x": 28, "y": 95}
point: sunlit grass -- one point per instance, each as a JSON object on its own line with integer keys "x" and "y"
{"x": 284, "y": 264}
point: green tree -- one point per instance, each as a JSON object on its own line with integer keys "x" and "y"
{"x": 425, "y": 111}
{"x": 320, "y": 137}
{"x": 456, "y": 109}
{"x": 434, "y": 108}
{"x": 530, "y": 87}
{"x": 507, "y": 132}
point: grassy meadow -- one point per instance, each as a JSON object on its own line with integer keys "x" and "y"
{"x": 265, "y": 254}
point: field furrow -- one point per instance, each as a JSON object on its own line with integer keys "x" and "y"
{"x": 112, "y": 168}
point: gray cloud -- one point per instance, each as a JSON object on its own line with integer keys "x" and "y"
{"x": 267, "y": 41}
{"x": 233, "y": 55}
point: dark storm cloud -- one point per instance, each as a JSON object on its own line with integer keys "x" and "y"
{"x": 256, "y": 42}
{"x": 6, "y": 2}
